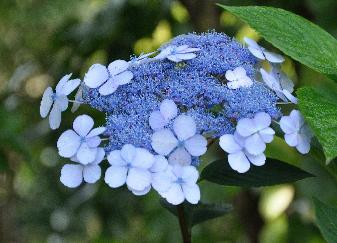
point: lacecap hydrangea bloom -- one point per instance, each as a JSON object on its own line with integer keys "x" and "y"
{"x": 164, "y": 108}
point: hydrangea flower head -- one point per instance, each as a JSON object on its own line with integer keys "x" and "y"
{"x": 57, "y": 102}
{"x": 197, "y": 87}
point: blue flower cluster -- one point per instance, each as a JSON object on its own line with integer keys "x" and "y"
{"x": 197, "y": 86}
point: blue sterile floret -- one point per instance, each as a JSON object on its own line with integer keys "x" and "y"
{"x": 197, "y": 86}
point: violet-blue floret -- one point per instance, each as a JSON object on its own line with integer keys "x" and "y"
{"x": 197, "y": 86}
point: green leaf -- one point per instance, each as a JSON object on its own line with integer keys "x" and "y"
{"x": 196, "y": 214}
{"x": 326, "y": 218}
{"x": 278, "y": 148}
{"x": 272, "y": 173}
{"x": 295, "y": 36}
{"x": 319, "y": 107}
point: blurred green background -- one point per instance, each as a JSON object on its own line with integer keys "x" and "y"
{"x": 41, "y": 40}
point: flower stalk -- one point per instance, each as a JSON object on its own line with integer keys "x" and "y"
{"x": 184, "y": 228}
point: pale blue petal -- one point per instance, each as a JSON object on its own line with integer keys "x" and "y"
{"x": 91, "y": 173}
{"x": 68, "y": 144}
{"x": 257, "y": 160}
{"x": 71, "y": 175}
{"x": 189, "y": 175}
{"x": 180, "y": 157}
{"x": 128, "y": 153}
{"x": 239, "y": 162}
{"x": 96, "y": 131}
{"x": 93, "y": 142}
{"x": 262, "y": 120}
{"x": 115, "y": 176}
{"x": 246, "y": 127}
{"x": 70, "y": 86}
{"x": 85, "y": 154}
{"x": 157, "y": 121}
{"x": 254, "y": 144}
{"x": 184, "y": 127}
{"x": 118, "y": 66}
{"x": 168, "y": 109}
{"x": 109, "y": 87}
{"x": 174, "y": 195}
{"x": 96, "y": 76}
{"x": 61, "y": 83}
{"x": 62, "y": 102}
{"x": 273, "y": 57}
{"x": 161, "y": 181}
{"x": 287, "y": 125}
{"x": 160, "y": 164}
{"x": 267, "y": 134}
{"x": 292, "y": 139}
{"x": 191, "y": 193}
{"x": 123, "y": 78}
{"x": 196, "y": 145}
{"x": 143, "y": 159}
{"x": 229, "y": 144}
{"x": 83, "y": 124}
{"x": 46, "y": 102}
{"x": 138, "y": 179}
{"x": 115, "y": 158}
{"x": 140, "y": 193}
{"x": 163, "y": 141}
{"x": 55, "y": 117}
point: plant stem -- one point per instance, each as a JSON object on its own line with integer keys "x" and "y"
{"x": 185, "y": 232}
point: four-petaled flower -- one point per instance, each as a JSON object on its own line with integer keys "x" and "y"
{"x": 57, "y": 101}
{"x": 256, "y": 132}
{"x": 280, "y": 84}
{"x": 108, "y": 79}
{"x": 183, "y": 185}
{"x": 72, "y": 175}
{"x": 81, "y": 142}
{"x": 262, "y": 53}
{"x": 237, "y": 78}
{"x": 167, "y": 111}
{"x": 130, "y": 165}
{"x": 297, "y": 132}
{"x": 177, "y": 53}
{"x": 239, "y": 158}
{"x": 186, "y": 144}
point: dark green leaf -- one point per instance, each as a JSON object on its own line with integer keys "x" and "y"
{"x": 326, "y": 218}
{"x": 196, "y": 214}
{"x": 295, "y": 36}
{"x": 272, "y": 173}
{"x": 319, "y": 107}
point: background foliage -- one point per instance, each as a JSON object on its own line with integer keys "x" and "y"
{"x": 42, "y": 40}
